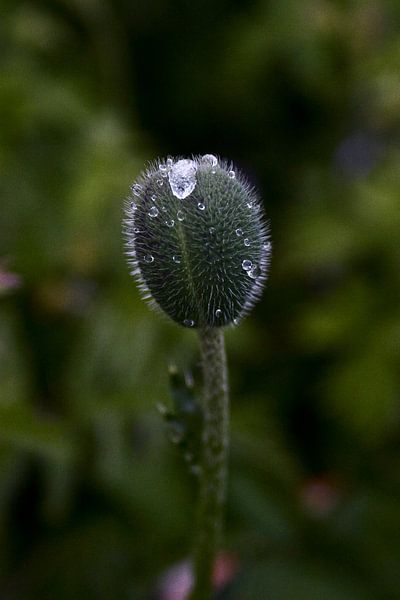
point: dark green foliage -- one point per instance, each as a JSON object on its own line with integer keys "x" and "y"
{"x": 201, "y": 258}
{"x": 304, "y": 98}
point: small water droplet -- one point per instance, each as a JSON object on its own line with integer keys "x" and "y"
{"x": 247, "y": 264}
{"x": 254, "y": 272}
{"x": 218, "y": 313}
{"x": 213, "y": 171}
{"x": 160, "y": 182}
{"x": 176, "y": 259}
{"x": 170, "y": 222}
{"x": 148, "y": 258}
{"x": 267, "y": 246}
{"x": 180, "y": 215}
{"x": 153, "y": 197}
{"x": 182, "y": 178}
{"x": 246, "y": 242}
{"x": 210, "y": 159}
{"x": 239, "y": 231}
{"x": 201, "y": 206}
{"x": 231, "y": 174}
{"x": 153, "y": 212}
{"x": 163, "y": 170}
{"x": 170, "y": 162}
{"x": 212, "y": 230}
{"x": 164, "y": 208}
{"x": 249, "y": 205}
{"x": 188, "y": 323}
{"x": 136, "y": 230}
{"x": 133, "y": 206}
{"x": 136, "y": 189}
{"x": 236, "y": 321}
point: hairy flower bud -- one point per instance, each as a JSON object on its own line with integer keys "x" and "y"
{"x": 197, "y": 241}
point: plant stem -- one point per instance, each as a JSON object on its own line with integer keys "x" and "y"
{"x": 213, "y": 465}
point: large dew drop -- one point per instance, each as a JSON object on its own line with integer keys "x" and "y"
{"x": 182, "y": 178}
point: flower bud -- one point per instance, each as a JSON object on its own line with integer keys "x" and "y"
{"x": 197, "y": 241}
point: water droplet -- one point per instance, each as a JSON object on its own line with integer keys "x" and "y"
{"x": 210, "y": 159}
{"x": 180, "y": 215}
{"x": 153, "y": 212}
{"x": 133, "y": 206}
{"x": 231, "y": 174}
{"x": 176, "y": 259}
{"x": 249, "y": 205}
{"x": 212, "y": 230}
{"x": 136, "y": 189}
{"x": 170, "y": 162}
{"x": 239, "y": 232}
{"x": 170, "y": 222}
{"x": 182, "y": 178}
{"x": 236, "y": 321}
{"x": 218, "y": 312}
{"x": 154, "y": 197}
{"x": 267, "y": 246}
{"x": 254, "y": 272}
{"x": 148, "y": 258}
{"x": 246, "y": 242}
{"x": 136, "y": 230}
{"x": 201, "y": 206}
{"x": 247, "y": 264}
{"x": 188, "y": 323}
{"x": 160, "y": 182}
{"x": 163, "y": 170}
{"x": 164, "y": 208}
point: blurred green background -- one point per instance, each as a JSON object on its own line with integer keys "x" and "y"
{"x": 95, "y": 503}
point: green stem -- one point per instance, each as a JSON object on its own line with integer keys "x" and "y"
{"x": 213, "y": 460}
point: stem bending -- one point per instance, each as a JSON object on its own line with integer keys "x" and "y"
{"x": 213, "y": 459}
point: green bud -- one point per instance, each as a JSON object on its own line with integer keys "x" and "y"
{"x": 197, "y": 241}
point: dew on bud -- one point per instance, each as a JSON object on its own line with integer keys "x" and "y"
{"x": 153, "y": 212}
{"x": 188, "y": 323}
{"x": 210, "y": 159}
{"x": 136, "y": 189}
{"x": 219, "y": 241}
{"x": 247, "y": 264}
{"x": 133, "y": 206}
{"x": 254, "y": 272}
{"x": 163, "y": 170}
{"x": 182, "y": 178}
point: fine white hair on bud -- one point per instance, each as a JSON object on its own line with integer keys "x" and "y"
{"x": 197, "y": 240}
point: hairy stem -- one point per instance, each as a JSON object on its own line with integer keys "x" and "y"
{"x": 213, "y": 460}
